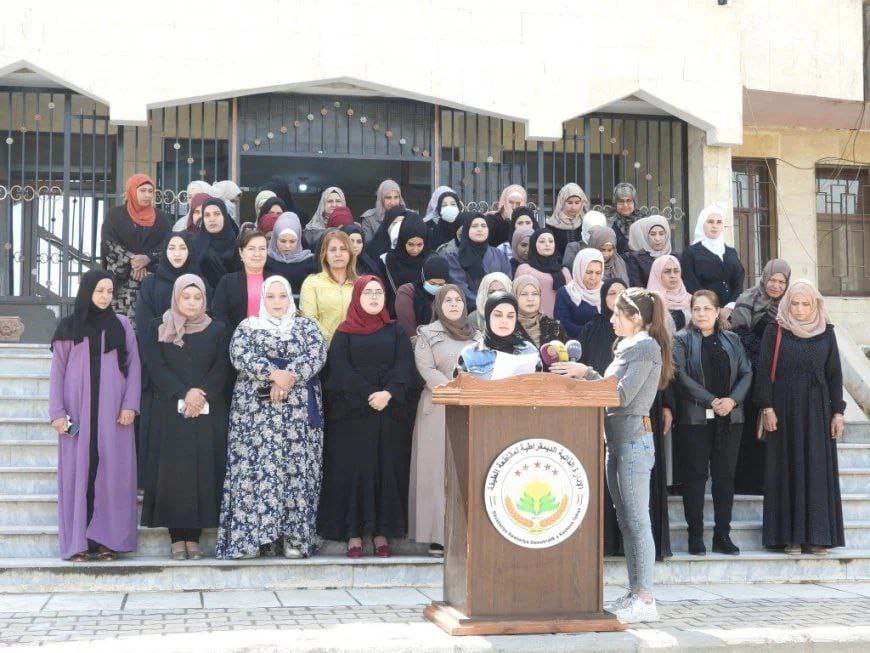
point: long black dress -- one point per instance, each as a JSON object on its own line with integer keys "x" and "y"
{"x": 802, "y": 502}
{"x": 367, "y": 453}
{"x": 186, "y": 457}
{"x": 703, "y": 269}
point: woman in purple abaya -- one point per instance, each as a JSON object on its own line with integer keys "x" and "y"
{"x": 95, "y": 385}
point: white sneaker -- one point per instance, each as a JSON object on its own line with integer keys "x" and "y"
{"x": 636, "y": 610}
{"x": 291, "y": 551}
{"x": 621, "y": 602}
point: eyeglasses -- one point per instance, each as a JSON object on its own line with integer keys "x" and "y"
{"x": 372, "y": 293}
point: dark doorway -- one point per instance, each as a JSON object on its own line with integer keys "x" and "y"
{"x": 358, "y": 178}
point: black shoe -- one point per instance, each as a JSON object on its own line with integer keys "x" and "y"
{"x": 723, "y": 544}
{"x": 696, "y": 546}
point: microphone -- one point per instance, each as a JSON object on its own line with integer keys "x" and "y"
{"x": 575, "y": 350}
{"x": 553, "y": 352}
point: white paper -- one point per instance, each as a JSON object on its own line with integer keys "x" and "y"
{"x": 507, "y": 365}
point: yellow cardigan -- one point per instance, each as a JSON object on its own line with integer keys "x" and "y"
{"x": 326, "y": 302}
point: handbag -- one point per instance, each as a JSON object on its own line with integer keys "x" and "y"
{"x": 760, "y": 433}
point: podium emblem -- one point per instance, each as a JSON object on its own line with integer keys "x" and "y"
{"x": 536, "y": 493}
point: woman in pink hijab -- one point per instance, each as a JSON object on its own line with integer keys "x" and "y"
{"x": 512, "y": 197}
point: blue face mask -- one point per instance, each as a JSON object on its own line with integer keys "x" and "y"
{"x": 430, "y": 288}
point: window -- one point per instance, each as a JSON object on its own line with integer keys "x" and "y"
{"x": 843, "y": 230}
{"x": 754, "y": 215}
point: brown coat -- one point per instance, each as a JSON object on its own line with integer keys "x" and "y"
{"x": 435, "y": 353}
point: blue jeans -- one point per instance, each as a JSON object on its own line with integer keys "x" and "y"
{"x": 628, "y": 466}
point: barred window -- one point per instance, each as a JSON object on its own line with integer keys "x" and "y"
{"x": 843, "y": 230}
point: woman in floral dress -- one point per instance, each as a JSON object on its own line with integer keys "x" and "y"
{"x": 275, "y": 443}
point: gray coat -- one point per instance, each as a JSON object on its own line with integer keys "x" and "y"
{"x": 692, "y": 398}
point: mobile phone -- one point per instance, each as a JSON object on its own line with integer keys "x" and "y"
{"x": 72, "y": 430}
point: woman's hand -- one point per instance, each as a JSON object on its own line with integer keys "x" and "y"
{"x": 283, "y": 379}
{"x": 667, "y": 419}
{"x": 570, "y": 369}
{"x": 379, "y": 400}
{"x": 725, "y": 317}
{"x": 277, "y": 394}
{"x": 723, "y": 406}
{"x": 194, "y": 402}
{"x": 126, "y": 417}
{"x": 838, "y": 426}
{"x": 61, "y": 425}
{"x": 139, "y": 261}
{"x": 768, "y": 420}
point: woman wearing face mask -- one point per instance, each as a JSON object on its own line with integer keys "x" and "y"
{"x": 368, "y": 437}
{"x": 442, "y": 226}
{"x": 545, "y": 264}
{"x": 275, "y": 441}
{"x": 666, "y": 278}
{"x": 502, "y": 334}
{"x": 186, "y": 455}
{"x": 286, "y": 255}
{"x": 521, "y": 218}
{"x": 131, "y": 237}
{"x": 215, "y": 243}
{"x": 365, "y": 264}
{"x": 326, "y": 295}
{"x": 331, "y": 198}
{"x": 491, "y": 283}
{"x": 436, "y": 352}
{"x": 755, "y": 309}
{"x": 591, "y": 220}
{"x": 237, "y": 295}
{"x": 802, "y": 412}
{"x": 512, "y": 198}
{"x": 414, "y": 300}
{"x": 387, "y": 234}
{"x": 432, "y": 206}
{"x": 642, "y": 365}
{"x": 567, "y": 218}
{"x": 520, "y": 247}
{"x": 475, "y": 258}
{"x": 388, "y": 196}
{"x": 190, "y": 222}
{"x": 711, "y": 264}
{"x": 268, "y": 215}
{"x": 452, "y": 245}
{"x": 155, "y": 298}
{"x": 94, "y": 387}
{"x": 404, "y": 263}
{"x": 539, "y": 327}
{"x": 580, "y": 300}
{"x": 649, "y": 238}
{"x": 713, "y": 376}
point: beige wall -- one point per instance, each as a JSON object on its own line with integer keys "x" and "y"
{"x": 797, "y": 152}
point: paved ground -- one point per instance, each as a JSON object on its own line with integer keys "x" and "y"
{"x": 737, "y": 617}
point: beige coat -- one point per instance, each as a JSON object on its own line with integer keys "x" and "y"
{"x": 436, "y": 353}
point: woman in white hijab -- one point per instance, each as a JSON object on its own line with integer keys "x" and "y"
{"x": 591, "y": 220}
{"x": 492, "y": 282}
{"x": 230, "y": 193}
{"x": 567, "y": 218}
{"x": 711, "y": 264}
{"x": 648, "y": 239}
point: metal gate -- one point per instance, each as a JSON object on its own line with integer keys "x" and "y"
{"x": 62, "y": 165}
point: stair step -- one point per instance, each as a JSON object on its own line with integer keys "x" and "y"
{"x": 747, "y": 535}
{"x": 857, "y": 432}
{"x": 26, "y": 428}
{"x": 853, "y": 454}
{"x": 25, "y": 360}
{"x": 28, "y": 453}
{"x": 40, "y": 541}
{"x": 750, "y": 507}
{"x": 15, "y": 384}
{"x": 24, "y": 405}
{"x": 28, "y": 480}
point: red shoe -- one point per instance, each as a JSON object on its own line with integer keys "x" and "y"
{"x": 355, "y": 552}
{"x": 383, "y": 551}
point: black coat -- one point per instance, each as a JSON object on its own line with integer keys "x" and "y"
{"x": 295, "y": 273}
{"x": 639, "y": 265}
{"x": 703, "y": 269}
{"x": 186, "y": 458}
{"x": 692, "y": 397}
{"x": 230, "y": 304}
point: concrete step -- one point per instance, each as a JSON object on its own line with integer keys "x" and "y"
{"x": 26, "y": 428}
{"x": 857, "y": 431}
{"x": 37, "y": 359}
{"x": 750, "y": 507}
{"x": 28, "y": 480}
{"x": 747, "y": 535}
{"x": 852, "y": 454}
{"x": 28, "y": 453}
{"x": 23, "y": 383}
{"x": 40, "y": 541}
{"x": 158, "y": 573}
{"x": 24, "y": 405}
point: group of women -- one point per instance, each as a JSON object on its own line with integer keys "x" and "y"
{"x": 281, "y": 423}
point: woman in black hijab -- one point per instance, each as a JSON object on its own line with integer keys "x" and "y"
{"x": 475, "y": 258}
{"x": 414, "y": 300}
{"x": 215, "y": 243}
{"x": 365, "y": 264}
{"x": 442, "y": 228}
{"x": 382, "y": 241}
{"x": 404, "y": 263}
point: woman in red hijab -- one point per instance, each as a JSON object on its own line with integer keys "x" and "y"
{"x": 368, "y": 428}
{"x": 131, "y": 240}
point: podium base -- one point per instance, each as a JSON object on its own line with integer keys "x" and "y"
{"x": 453, "y": 622}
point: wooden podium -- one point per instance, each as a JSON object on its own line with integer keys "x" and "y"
{"x": 516, "y": 560}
